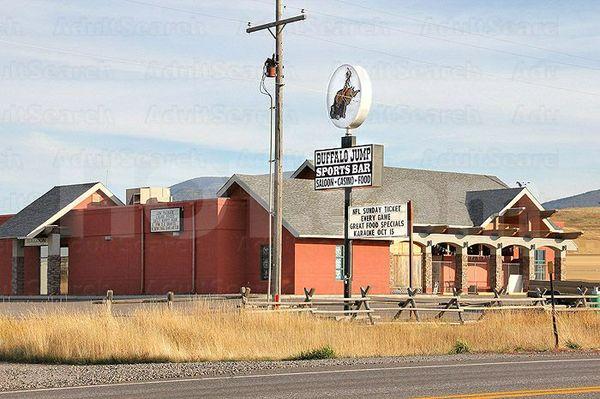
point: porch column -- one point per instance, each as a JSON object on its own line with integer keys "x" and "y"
{"x": 527, "y": 256}
{"x": 560, "y": 263}
{"x": 17, "y": 283}
{"x": 462, "y": 267}
{"x": 54, "y": 264}
{"x": 428, "y": 268}
{"x": 497, "y": 274}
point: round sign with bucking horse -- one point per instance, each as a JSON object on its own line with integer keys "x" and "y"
{"x": 349, "y": 96}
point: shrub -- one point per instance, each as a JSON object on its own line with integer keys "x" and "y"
{"x": 573, "y": 345}
{"x": 460, "y": 346}
{"x": 324, "y": 352}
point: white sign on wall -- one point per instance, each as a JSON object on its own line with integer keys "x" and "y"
{"x": 359, "y": 166}
{"x": 165, "y": 220}
{"x": 36, "y": 242}
{"x": 378, "y": 221}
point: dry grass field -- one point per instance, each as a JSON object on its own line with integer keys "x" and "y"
{"x": 160, "y": 335}
{"x": 586, "y": 220}
{"x": 585, "y": 263}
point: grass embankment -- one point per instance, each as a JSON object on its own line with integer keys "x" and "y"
{"x": 161, "y": 335}
{"x": 586, "y": 220}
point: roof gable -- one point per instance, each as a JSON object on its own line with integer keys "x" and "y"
{"x": 305, "y": 171}
{"x": 524, "y": 192}
{"x": 49, "y": 208}
{"x": 484, "y": 204}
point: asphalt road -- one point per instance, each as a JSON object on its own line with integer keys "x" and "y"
{"x": 535, "y": 376}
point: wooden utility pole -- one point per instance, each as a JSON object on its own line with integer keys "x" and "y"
{"x": 278, "y": 25}
{"x": 554, "y": 328}
{"x": 278, "y": 186}
{"x": 410, "y": 244}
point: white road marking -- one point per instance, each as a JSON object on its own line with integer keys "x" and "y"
{"x": 249, "y": 376}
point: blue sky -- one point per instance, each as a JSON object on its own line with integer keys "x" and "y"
{"x": 154, "y": 92}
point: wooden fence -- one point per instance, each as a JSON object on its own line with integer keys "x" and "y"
{"x": 415, "y": 305}
{"x": 567, "y": 286}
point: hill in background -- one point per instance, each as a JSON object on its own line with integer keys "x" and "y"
{"x": 584, "y": 264}
{"x": 586, "y": 220}
{"x": 585, "y": 200}
{"x": 198, "y": 188}
{"x": 202, "y": 187}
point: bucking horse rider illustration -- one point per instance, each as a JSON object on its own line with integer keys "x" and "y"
{"x": 343, "y": 98}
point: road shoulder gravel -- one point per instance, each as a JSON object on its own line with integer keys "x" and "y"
{"x": 16, "y": 376}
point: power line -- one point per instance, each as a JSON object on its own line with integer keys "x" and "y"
{"x": 445, "y": 66}
{"x": 386, "y": 12}
{"x": 185, "y": 11}
{"x": 184, "y": 67}
{"x": 118, "y": 60}
{"x": 453, "y": 41}
{"x": 392, "y": 28}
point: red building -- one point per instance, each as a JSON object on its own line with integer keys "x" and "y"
{"x": 470, "y": 231}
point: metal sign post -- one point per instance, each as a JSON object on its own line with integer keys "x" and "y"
{"x": 347, "y": 141}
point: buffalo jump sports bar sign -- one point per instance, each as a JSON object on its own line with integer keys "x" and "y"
{"x": 358, "y": 166}
{"x": 378, "y": 221}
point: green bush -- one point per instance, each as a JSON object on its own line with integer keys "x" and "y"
{"x": 573, "y": 345}
{"x": 460, "y": 347}
{"x": 324, "y": 352}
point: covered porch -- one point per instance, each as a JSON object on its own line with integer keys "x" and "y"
{"x": 480, "y": 263}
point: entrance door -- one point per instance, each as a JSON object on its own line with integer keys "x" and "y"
{"x": 447, "y": 266}
{"x": 44, "y": 270}
{"x": 478, "y": 272}
{"x": 64, "y": 270}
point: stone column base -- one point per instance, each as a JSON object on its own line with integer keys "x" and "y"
{"x": 560, "y": 263}
{"x": 427, "y": 271}
{"x": 462, "y": 267}
{"x": 17, "y": 284}
{"x": 54, "y": 275}
{"x": 497, "y": 274}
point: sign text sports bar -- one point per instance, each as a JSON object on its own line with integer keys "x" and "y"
{"x": 359, "y": 166}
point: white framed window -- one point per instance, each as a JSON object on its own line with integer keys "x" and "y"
{"x": 540, "y": 264}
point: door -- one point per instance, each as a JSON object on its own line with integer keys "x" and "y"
{"x": 44, "y": 270}
{"x": 64, "y": 270}
{"x": 478, "y": 272}
{"x": 447, "y": 267}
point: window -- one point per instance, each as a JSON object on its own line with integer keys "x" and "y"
{"x": 264, "y": 262}
{"x": 540, "y": 264}
{"x": 339, "y": 262}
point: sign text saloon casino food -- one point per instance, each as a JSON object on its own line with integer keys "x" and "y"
{"x": 359, "y": 166}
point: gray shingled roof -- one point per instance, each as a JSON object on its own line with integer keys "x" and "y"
{"x": 483, "y": 204}
{"x": 456, "y": 199}
{"x": 42, "y": 209}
